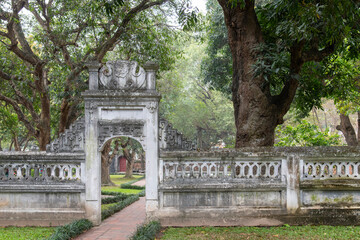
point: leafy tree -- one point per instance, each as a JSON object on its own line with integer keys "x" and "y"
{"x": 274, "y": 47}
{"x": 305, "y": 134}
{"x": 190, "y": 105}
{"x": 45, "y": 46}
{"x": 347, "y": 96}
{"x": 216, "y": 65}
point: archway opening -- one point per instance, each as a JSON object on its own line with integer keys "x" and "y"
{"x": 121, "y": 155}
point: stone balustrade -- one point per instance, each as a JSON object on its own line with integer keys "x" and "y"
{"x": 260, "y": 186}
{"x": 40, "y": 167}
{"x": 330, "y": 168}
{"x": 220, "y": 169}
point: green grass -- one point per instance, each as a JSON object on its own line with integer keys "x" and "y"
{"x": 107, "y": 206}
{"x": 119, "y": 179}
{"x": 26, "y": 233}
{"x": 268, "y": 233}
{"x": 118, "y": 189}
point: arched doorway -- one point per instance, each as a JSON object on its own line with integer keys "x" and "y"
{"x": 121, "y": 102}
{"x": 128, "y": 148}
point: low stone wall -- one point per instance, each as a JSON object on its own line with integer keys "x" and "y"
{"x": 41, "y": 189}
{"x": 260, "y": 186}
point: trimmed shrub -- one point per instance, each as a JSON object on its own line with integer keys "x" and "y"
{"x": 116, "y": 197}
{"x": 147, "y": 231}
{"x": 71, "y": 230}
{"x": 142, "y": 193}
{"x": 129, "y": 186}
{"x": 119, "y": 206}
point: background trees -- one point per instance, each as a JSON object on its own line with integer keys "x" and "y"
{"x": 201, "y": 113}
{"x": 45, "y": 45}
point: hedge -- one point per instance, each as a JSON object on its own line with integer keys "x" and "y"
{"x": 119, "y": 206}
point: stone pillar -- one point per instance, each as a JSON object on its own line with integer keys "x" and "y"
{"x": 92, "y": 154}
{"x": 93, "y": 68}
{"x": 292, "y": 174}
{"x": 151, "y": 68}
{"x": 152, "y": 158}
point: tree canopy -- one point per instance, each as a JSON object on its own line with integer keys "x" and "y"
{"x": 45, "y": 46}
{"x": 277, "y": 47}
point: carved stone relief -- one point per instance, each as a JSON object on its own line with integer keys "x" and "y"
{"x": 108, "y": 129}
{"x": 116, "y": 75}
{"x": 172, "y": 140}
{"x": 72, "y": 140}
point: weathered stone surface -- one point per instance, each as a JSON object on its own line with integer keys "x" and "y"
{"x": 260, "y": 186}
{"x": 172, "y": 140}
{"x": 71, "y": 141}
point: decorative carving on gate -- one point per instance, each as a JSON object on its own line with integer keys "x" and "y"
{"x": 72, "y": 140}
{"x": 172, "y": 140}
{"x": 122, "y": 75}
{"x": 108, "y": 129}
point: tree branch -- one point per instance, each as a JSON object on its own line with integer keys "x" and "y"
{"x": 20, "y": 114}
{"x": 315, "y": 55}
{"x": 107, "y": 45}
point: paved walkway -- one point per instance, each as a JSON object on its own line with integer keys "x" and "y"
{"x": 140, "y": 183}
{"x": 119, "y": 226}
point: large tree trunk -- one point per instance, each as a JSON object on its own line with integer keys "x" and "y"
{"x": 255, "y": 114}
{"x": 105, "y": 163}
{"x": 130, "y": 159}
{"x": 348, "y": 130}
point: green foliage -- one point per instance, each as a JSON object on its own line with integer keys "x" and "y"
{"x": 216, "y": 67}
{"x": 117, "y": 197}
{"x": 70, "y": 34}
{"x": 147, "y": 231}
{"x": 285, "y": 232}
{"x": 305, "y": 134}
{"x": 120, "y": 190}
{"x": 26, "y": 233}
{"x": 192, "y": 106}
{"x": 71, "y": 230}
{"x": 325, "y": 26}
{"x": 119, "y": 206}
{"x": 129, "y": 186}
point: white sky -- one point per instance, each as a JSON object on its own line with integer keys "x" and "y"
{"x": 200, "y": 4}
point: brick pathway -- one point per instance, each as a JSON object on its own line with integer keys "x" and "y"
{"x": 119, "y": 226}
{"x": 140, "y": 183}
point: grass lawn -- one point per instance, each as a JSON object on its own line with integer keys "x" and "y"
{"x": 118, "y": 180}
{"x": 26, "y": 233}
{"x": 118, "y": 189}
{"x": 106, "y": 206}
{"x": 237, "y": 233}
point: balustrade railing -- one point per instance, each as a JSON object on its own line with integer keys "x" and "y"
{"x": 40, "y": 168}
{"x": 331, "y": 169}
{"x": 220, "y": 169}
